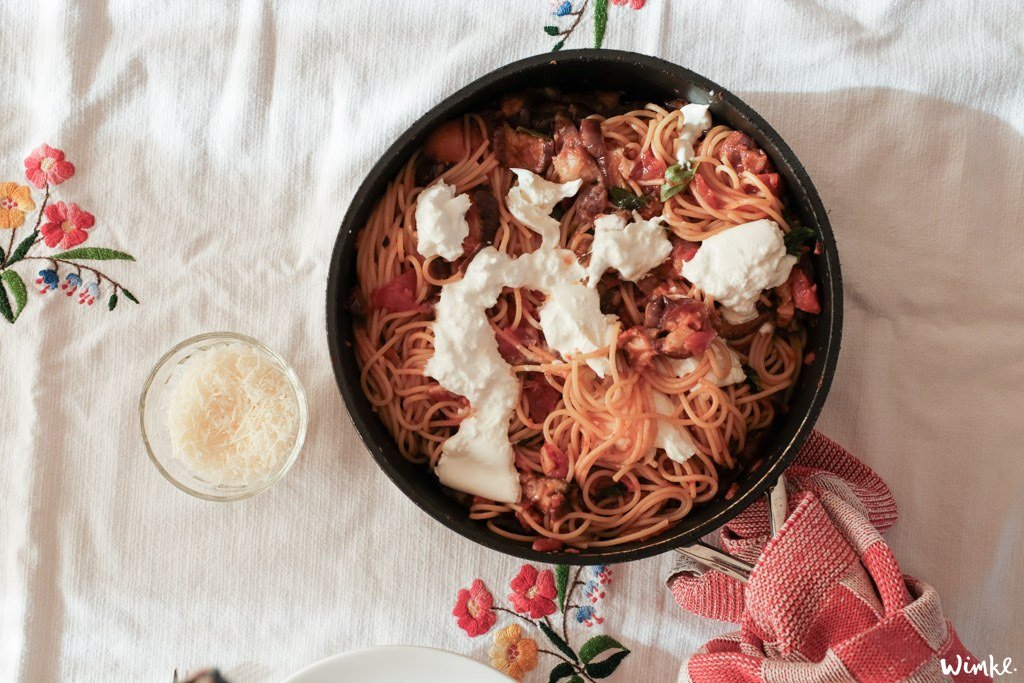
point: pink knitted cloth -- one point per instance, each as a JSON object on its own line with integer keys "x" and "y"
{"x": 827, "y": 601}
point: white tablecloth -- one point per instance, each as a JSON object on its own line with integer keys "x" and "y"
{"x": 220, "y": 144}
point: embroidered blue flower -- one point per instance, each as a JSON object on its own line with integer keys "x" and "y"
{"x": 89, "y": 294}
{"x": 72, "y": 281}
{"x": 47, "y": 280}
{"x": 560, "y": 8}
{"x": 588, "y": 616}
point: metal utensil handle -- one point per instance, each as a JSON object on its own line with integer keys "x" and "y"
{"x": 710, "y": 557}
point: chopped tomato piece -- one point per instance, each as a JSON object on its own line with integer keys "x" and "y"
{"x": 771, "y": 181}
{"x": 805, "y": 293}
{"x": 398, "y": 295}
{"x": 649, "y": 167}
{"x": 508, "y": 339}
{"x": 743, "y": 153}
{"x": 702, "y": 190}
{"x": 547, "y": 545}
{"x": 541, "y": 397}
{"x": 553, "y": 461}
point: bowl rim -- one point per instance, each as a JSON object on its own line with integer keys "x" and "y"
{"x": 681, "y": 533}
{"x": 300, "y": 397}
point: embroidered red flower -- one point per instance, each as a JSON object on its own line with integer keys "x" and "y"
{"x": 47, "y": 165}
{"x": 635, "y": 4}
{"x": 474, "y": 609}
{"x": 533, "y": 592}
{"x": 67, "y": 225}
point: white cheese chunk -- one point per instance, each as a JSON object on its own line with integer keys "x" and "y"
{"x": 736, "y": 265}
{"x": 632, "y": 249}
{"x": 478, "y": 458}
{"x": 685, "y": 366}
{"x": 572, "y": 323}
{"x": 532, "y": 200}
{"x": 441, "y": 221}
{"x": 696, "y": 120}
{"x": 672, "y": 438}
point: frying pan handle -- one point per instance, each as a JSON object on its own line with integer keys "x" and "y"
{"x": 701, "y": 556}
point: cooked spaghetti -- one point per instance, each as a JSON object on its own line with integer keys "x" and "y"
{"x": 597, "y": 457}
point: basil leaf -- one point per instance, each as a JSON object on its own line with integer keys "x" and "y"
{"x": 624, "y": 199}
{"x": 674, "y": 173}
{"x": 534, "y": 133}
{"x": 795, "y": 239}
{"x": 685, "y": 176}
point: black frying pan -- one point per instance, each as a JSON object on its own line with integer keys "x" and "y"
{"x": 640, "y": 77}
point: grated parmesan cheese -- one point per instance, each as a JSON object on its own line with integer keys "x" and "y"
{"x": 233, "y": 416}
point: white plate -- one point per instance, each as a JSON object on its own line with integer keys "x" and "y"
{"x": 399, "y": 663}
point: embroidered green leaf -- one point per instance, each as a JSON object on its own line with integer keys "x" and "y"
{"x": 596, "y": 646}
{"x": 128, "y": 295}
{"x": 551, "y": 30}
{"x": 563, "y": 670}
{"x": 575, "y": 679}
{"x": 624, "y": 199}
{"x": 558, "y": 46}
{"x": 606, "y": 667}
{"x": 557, "y": 641}
{"x": 5, "y": 306}
{"x": 795, "y": 239}
{"x": 112, "y": 302}
{"x": 561, "y": 581}
{"x": 600, "y": 21}
{"x": 2, "y": 255}
{"x": 94, "y": 254}
{"x": 23, "y": 247}
{"x": 18, "y": 291}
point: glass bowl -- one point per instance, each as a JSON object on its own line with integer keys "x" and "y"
{"x": 153, "y": 403}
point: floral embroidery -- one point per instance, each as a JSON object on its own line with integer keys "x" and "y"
{"x": 46, "y": 165}
{"x": 473, "y": 609}
{"x": 67, "y": 226}
{"x": 565, "y": 8}
{"x": 533, "y": 592}
{"x": 512, "y": 654}
{"x": 537, "y": 596}
{"x": 48, "y": 279}
{"x": 15, "y": 202}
